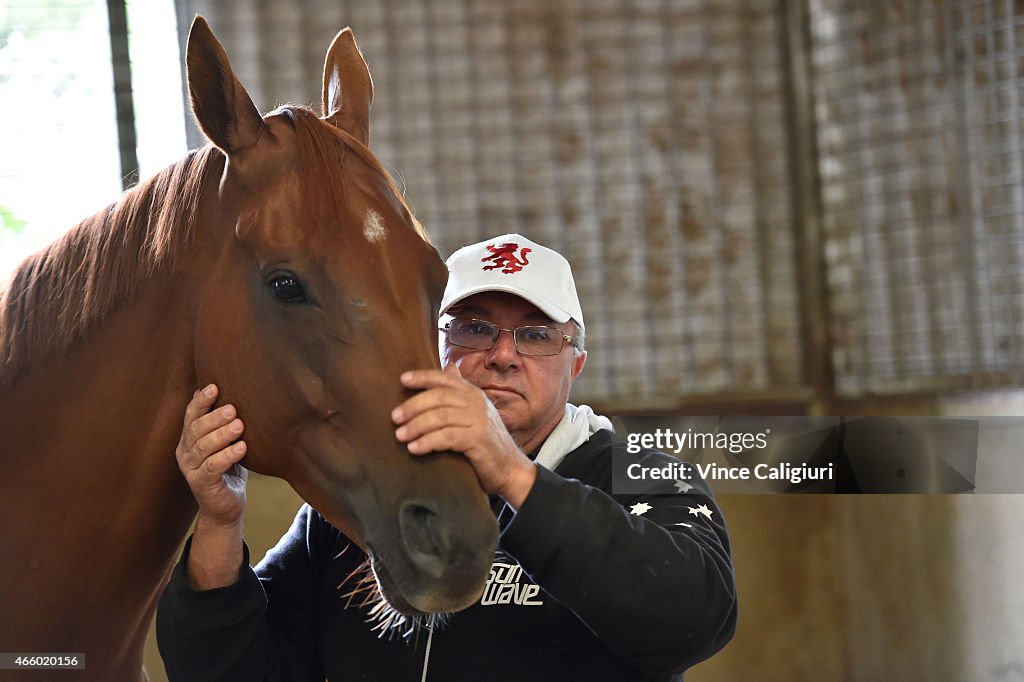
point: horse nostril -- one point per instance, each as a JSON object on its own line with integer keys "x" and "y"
{"x": 424, "y": 537}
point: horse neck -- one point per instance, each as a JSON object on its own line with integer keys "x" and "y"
{"x": 93, "y": 502}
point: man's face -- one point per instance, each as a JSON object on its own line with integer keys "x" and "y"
{"x": 529, "y": 391}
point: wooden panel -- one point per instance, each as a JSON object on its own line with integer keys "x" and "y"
{"x": 791, "y": 604}
{"x": 900, "y": 583}
{"x": 875, "y": 587}
{"x": 860, "y": 588}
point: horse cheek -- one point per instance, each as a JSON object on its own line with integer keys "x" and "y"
{"x": 229, "y": 351}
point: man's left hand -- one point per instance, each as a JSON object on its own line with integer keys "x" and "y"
{"x": 452, "y": 414}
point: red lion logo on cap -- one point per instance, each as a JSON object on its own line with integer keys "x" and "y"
{"x": 505, "y": 257}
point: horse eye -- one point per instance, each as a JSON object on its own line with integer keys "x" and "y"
{"x": 287, "y": 288}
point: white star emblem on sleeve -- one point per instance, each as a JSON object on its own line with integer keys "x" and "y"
{"x": 640, "y": 508}
{"x": 703, "y": 509}
{"x": 682, "y": 486}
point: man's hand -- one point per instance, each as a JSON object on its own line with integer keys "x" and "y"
{"x": 208, "y": 454}
{"x": 452, "y": 414}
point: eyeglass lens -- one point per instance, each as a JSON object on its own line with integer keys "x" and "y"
{"x": 482, "y": 335}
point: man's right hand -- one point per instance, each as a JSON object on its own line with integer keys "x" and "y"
{"x": 208, "y": 454}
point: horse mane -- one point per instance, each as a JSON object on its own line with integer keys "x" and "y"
{"x": 56, "y": 296}
{"x": 61, "y": 292}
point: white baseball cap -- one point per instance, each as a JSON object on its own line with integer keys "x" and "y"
{"x": 517, "y": 265}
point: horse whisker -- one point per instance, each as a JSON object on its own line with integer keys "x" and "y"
{"x": 383, "y": 618}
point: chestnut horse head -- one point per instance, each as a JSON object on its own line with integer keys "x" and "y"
{"x": 319, "y": 289}
{"x": 282, "y": 263}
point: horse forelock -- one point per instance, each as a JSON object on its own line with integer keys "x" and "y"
{"x": 61, "y": 292}
{"x": 318, "y": 144}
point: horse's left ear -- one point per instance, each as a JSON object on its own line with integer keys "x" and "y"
{"x": 348, "y": 88}
{"x": 223, "y": 108}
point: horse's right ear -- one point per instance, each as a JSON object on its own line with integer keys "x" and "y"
{"x": 222, "y": 107}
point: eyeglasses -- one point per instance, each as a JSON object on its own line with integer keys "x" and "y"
{"x": 481, "y": 335}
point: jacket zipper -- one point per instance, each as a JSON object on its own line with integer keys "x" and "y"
{"x": 426, "y": 654}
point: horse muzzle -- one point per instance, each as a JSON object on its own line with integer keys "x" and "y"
{"x": 442, "y": 562}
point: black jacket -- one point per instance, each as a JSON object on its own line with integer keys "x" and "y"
{"x": 631, "y": 587}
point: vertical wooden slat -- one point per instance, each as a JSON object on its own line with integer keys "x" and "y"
{"x": 123, "y": 104}
{"x": 808, "y": 245}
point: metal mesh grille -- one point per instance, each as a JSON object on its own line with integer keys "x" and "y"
{"x": 643, "y": 140}
{"x": 919, "y": 120}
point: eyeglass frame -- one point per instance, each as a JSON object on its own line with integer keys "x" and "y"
{"x": 515, "y": 341}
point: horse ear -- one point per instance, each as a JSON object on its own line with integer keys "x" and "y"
{"x": 222, "y": 107}
{"x": 348, "y": 88}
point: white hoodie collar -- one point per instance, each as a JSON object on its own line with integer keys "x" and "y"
{"x": 578, "y": 424}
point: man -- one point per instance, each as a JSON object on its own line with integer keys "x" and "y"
{"x": 586, "y": 585}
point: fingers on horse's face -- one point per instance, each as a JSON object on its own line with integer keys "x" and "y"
{"x": 321, "y": 290}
